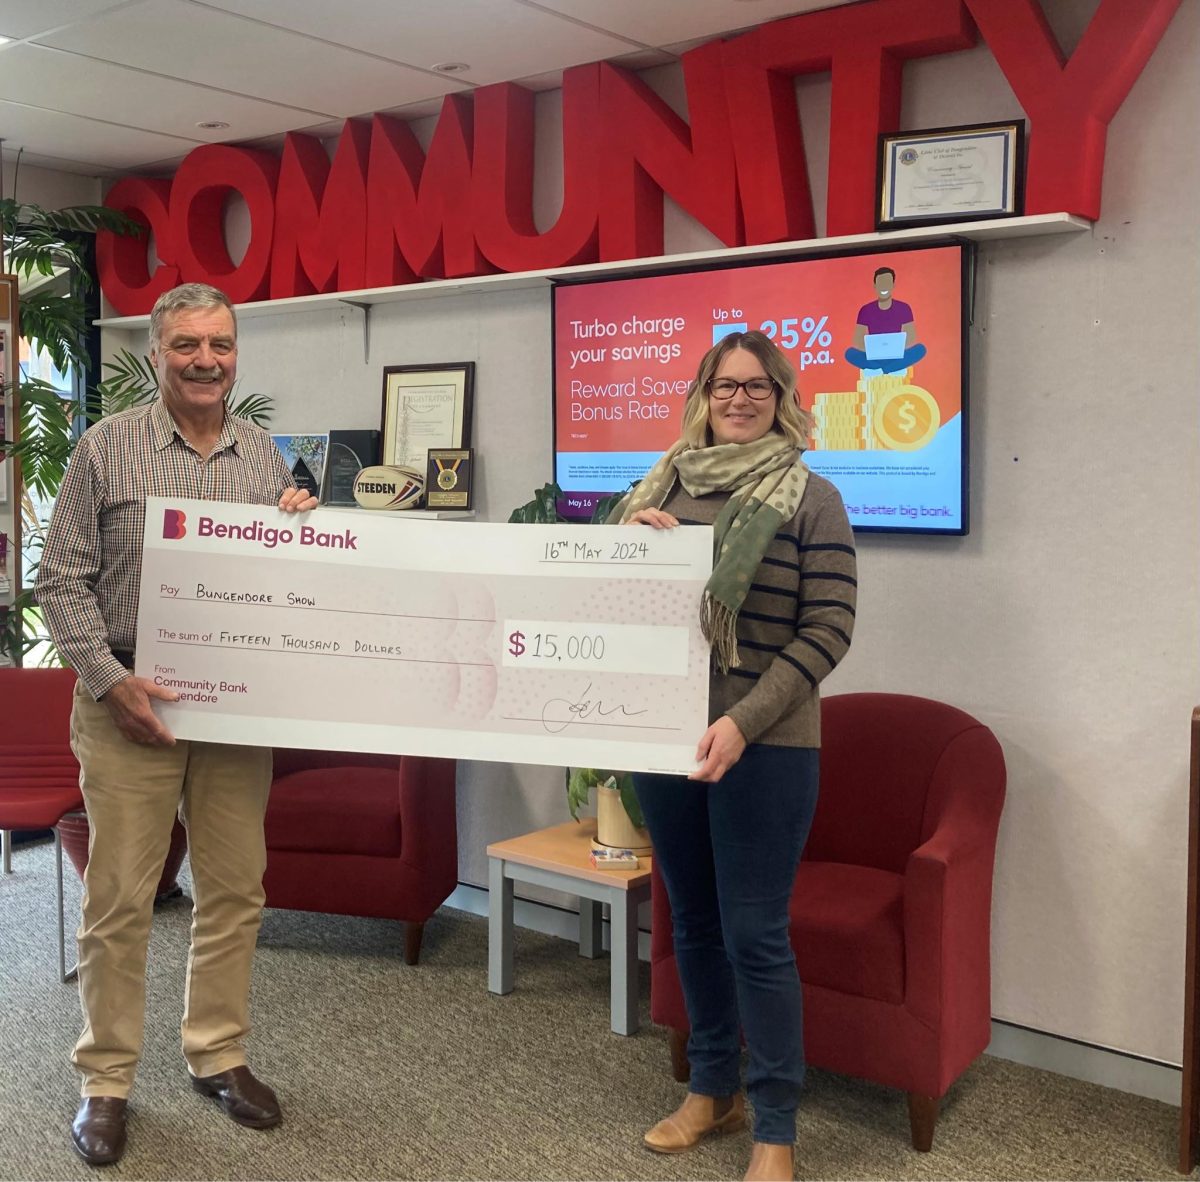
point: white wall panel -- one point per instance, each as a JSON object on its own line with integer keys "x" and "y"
{"x": 47, "y": 187}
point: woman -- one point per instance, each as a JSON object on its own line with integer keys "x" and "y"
{"x": 779, "y": 612}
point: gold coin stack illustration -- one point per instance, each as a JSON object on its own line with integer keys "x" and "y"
{"x": 885, "y": 412}
{"x": 841, "y": 422}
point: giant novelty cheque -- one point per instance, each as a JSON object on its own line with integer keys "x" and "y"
{"x": 346, "y": 630}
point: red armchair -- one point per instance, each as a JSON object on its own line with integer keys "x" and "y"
{"x": 891, "y": 913}
{"x": 39, "y": 776}
{"x": 370, "y": 835}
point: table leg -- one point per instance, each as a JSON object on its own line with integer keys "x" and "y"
{"x": 623, "y": 935}
{"x": 500, "y": 928}
{"x": 591, "y": 929}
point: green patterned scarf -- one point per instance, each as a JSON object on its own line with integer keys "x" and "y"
{"x": 765, "y": 480}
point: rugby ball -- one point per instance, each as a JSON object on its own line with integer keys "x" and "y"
{"x": 388, "y": 486}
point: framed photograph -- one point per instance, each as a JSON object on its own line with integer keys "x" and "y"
{"x": 425, "y": 406}
{"x": 951, "y": 174}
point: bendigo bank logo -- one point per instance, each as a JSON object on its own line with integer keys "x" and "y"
{"x": 174, "y": 524}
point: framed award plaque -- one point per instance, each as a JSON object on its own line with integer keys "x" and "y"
{"x": 449, "y": 477}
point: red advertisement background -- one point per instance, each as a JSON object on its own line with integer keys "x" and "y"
{"x": 930, "y": 280}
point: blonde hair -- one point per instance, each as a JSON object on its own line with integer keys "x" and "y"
{"x": 791, "y": 419}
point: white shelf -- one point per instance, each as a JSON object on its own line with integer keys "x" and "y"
{"x": 1022, "y": 227}
{"x": 410, "y": 514}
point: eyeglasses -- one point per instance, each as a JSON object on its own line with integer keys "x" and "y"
{"x": 757, "y": 388}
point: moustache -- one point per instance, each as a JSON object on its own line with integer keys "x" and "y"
{"x": 192, "y": 374}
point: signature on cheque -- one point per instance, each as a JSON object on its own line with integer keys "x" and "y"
{"x": 560, "y": 713}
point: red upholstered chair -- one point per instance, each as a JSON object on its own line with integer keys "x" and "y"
{"x": 891, "y": 913}
{"x": 39, "y": 777}
{"x": 369, "y": 835}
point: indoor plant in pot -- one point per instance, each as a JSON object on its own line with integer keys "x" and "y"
{"x": 619, "y": 822}
{"x": 47, "y": 250}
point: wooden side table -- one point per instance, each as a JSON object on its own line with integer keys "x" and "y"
{"x": 558, "y": 857}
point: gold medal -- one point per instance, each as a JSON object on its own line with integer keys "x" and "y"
{"x": 447, "y": 476}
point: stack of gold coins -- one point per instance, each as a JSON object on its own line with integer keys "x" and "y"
{"x": 874, "y": 390}
{"x": 886, "y": 412}
{"x": 840, "y": 422}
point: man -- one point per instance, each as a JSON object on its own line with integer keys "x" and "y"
{"x": 135, "y": 776}
{"x": 890, "y": 322}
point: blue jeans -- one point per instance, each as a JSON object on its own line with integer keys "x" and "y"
{"x": 728, "y": 853}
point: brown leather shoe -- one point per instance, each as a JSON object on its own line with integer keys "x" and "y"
{"x": 245, "y": 1099}
{"x": 98, "y": 1130}
{"x": 770, "y": 1163}
{"x": 694, "y": 1119}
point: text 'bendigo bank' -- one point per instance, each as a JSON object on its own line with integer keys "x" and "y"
{"x": 269, "y": 537}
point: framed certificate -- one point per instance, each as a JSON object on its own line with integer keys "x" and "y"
{"x": 950, "y": 174}
{"x": 425, "y": 406}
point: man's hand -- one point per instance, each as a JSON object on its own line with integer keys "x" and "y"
{"x": 658, "y": 518}
{"x": 720, "y": 747}
{"x": 297, "y": 500}
{"x": 129, "y": 704}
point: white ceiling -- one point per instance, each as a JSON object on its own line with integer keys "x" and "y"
{"x": 106, "y": 87}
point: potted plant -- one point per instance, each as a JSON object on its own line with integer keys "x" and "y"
{"x": 619, "y": 822}
{"x": 46, "y": 250}
{"x": 39, "y": 245}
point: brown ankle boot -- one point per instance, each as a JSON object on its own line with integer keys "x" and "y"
{"x": 694, "y": 1119}
{"x": 98, "y": 1131}
{"x": 770, "y": 1163}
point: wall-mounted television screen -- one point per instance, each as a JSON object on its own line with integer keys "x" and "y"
{"x": 878, "y": 342}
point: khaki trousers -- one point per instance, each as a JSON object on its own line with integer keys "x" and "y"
{"x": 133, "y": 794}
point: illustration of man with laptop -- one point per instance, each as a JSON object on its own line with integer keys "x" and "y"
{"x": 885, "y": 334}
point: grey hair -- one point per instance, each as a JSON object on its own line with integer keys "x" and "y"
{"x": 187, "y": 297}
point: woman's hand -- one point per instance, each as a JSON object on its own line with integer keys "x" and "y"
{"x": 658, "y": 518}
{"x": 720, "y": 747}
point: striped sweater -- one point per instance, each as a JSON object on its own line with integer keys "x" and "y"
{"x": 796, "y": 622}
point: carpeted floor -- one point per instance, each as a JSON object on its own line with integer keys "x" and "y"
{"x": 387, "y": 1071}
